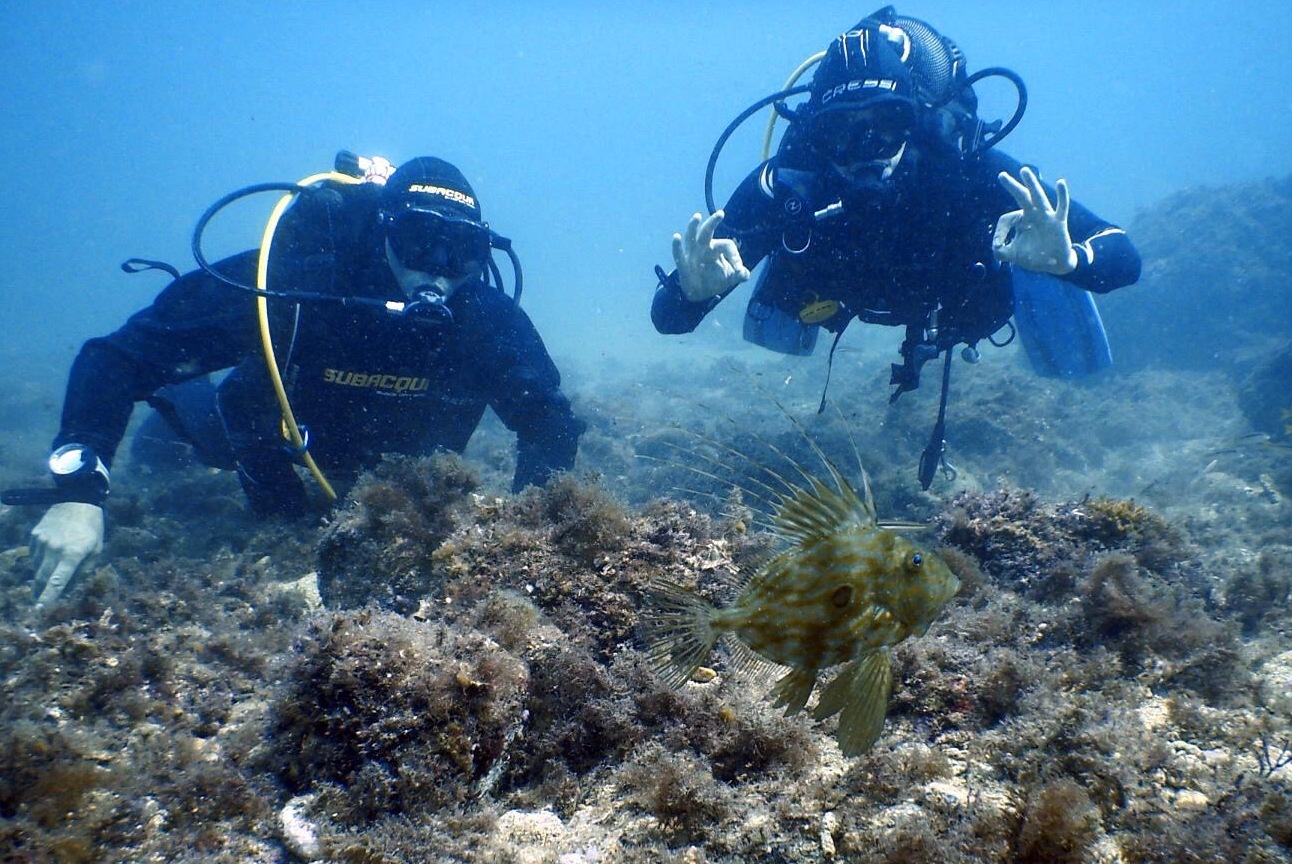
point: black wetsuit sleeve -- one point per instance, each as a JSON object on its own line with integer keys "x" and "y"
{"x": 525, "y": 393}
{"x": 1106, "y": 257}
{"x": 196, "y": 326}
{"x": 671, "y": 312}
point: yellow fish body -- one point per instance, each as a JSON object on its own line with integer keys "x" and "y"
{"x": 844, "y": 591}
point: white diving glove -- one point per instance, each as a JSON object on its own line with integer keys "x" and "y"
{"x": 1035, "y": 237}
{"x": 66, "y": 537}
{"x": 706, "y": 267}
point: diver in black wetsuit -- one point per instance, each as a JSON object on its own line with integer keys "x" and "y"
{"x": 886, "y": 203}
{"x": 400, "y": 346}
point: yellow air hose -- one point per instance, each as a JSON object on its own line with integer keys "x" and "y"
{"x": 771, "y": 121}
{"x": 291, "y": 429}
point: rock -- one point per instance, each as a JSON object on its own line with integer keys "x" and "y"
{"x": 1191, "y": 800}
{"x": 299, "y": 834}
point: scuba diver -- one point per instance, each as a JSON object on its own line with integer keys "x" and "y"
{"x": 377, "y": 324}
{"x": 887, "y": 202}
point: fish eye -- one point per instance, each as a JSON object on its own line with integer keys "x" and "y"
{"x": 917, "y": 559}
{"x": 841, "y": 597}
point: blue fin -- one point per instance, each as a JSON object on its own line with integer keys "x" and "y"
{"x": 768, "y": 324}
{"x": 769, "y": 327}
{"x": 1059, "y": 326}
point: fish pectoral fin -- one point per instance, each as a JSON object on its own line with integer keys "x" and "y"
{"x": 792, "y": 690}
{"x": 874, "y": 617}
{"x": 859, "y": 695}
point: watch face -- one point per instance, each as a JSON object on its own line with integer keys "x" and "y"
{"x": 68, "y": 459}
{"x": 79, "y": 475}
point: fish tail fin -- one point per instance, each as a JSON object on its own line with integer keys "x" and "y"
{"x": 679, "y": 628}
{"x": 859, "y": 695}
{"x": 792, "y": 691}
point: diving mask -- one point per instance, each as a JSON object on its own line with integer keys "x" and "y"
{"x": 864, "y": 144}
{"x": 431, "y": 242}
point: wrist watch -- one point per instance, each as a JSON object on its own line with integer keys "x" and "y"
{"x": 79, "y": 473}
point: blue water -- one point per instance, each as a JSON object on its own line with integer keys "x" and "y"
{"x": 584, "y": 127}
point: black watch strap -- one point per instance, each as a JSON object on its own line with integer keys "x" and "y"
{"x": 668, "y": 280}
{"x": 44, "y": 496}
{"x": 79, "y": 476}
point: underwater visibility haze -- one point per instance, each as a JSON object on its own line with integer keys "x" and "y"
{"x": 1095, "y": 585}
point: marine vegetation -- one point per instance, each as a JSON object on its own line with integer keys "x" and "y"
{"x": 1112, "y": 683}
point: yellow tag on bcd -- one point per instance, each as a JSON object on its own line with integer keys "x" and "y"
{"x": 818, "y": 311}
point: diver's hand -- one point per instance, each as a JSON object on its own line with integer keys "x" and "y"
{"x": 66, "y": 537}
{"x": 706, "y": 267}
{"x": 1035, "y": 237}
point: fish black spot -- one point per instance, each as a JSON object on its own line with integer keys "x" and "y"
{"x": 842, "y": 596}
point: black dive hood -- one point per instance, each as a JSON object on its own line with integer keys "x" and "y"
{"x": 344, "y": 159}
{"x": 946, "y": 104}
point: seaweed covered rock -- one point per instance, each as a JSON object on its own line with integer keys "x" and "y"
{"x": 407, "y": 716}
{"x": 1059, "y": 824}
{"x": 1265, "y": 395}
{"x": 1115, "y": 576}
{"x": 586, "y": 522}
{"x": 1259, "y": 591}
{"x": 416, "y": 540}
{"x": 1040, "y": 549}
{"x": 382, "y": 547}
{"x": 518, "y": 680}
{"x": 1199, "y": 305}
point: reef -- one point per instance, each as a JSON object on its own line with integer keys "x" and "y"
{"x": 1096, "y": 693}
{"x": 1211, "y": 305}
{"x": 436, "y": 669}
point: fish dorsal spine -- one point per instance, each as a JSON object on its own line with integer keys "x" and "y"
{"x": 807, "y": 513}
